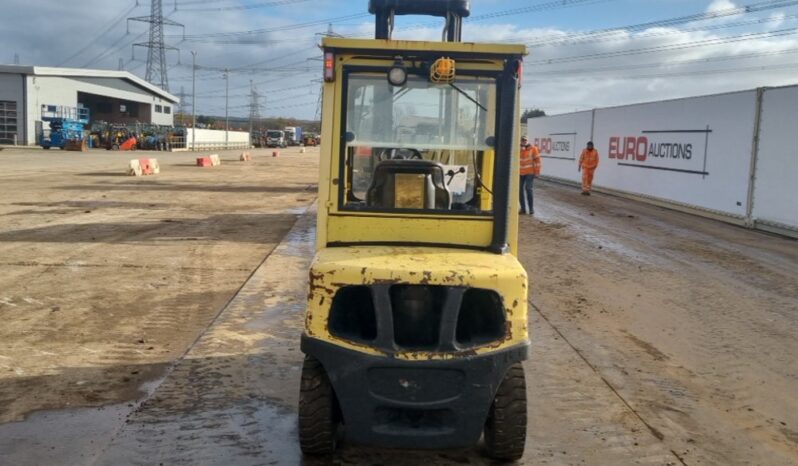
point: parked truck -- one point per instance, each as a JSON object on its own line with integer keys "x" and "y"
{"x": 275, "y": 139}
{"x": 293, "y": 135}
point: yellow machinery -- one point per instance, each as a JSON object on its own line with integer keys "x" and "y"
{"x": 416, "y": 324}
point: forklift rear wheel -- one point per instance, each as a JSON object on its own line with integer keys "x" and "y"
{"x": 318, "y": 410}
{"x": 505, "y": 429}
{"x": 115, "y": 147}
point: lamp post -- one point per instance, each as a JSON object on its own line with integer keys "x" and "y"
{"x": 193, "y": 99}
{"x": 226, "y": 101}
{"x": 251, "y": 108}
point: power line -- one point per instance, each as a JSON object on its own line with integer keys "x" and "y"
{"x": 270, "y": 80}
{"x": 241, "y": 41}
{"x": 273, "y": 91}
{"x": 592, "y": 70}
{"x": 289, "y": 97}
{"x": 712, "y": 27}
{"x": 248, "y": 94}
{"x": 580, "y": 37}
{"x": 202, "y": 2}
{"x": 110, "y": 50}
{"x": 669, "y": 47}
{"x": 268, "y": 108}
{"x": 105, "y": 31}
{"x": 288, "y": 27}
{"x": 545, "y": 6}
{"x": 253, "y": 6}
{"x": 700, "y": 72}
{"x": 247, "y": 69}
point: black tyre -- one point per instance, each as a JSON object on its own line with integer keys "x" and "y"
{"x": 318, "y": 410}
{"x": 114, "y": 146}
{"x": 505, "y": 428}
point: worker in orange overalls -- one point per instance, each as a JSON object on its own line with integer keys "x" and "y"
{"x": 530, "y": 169}
{"x": 588, "y": 162}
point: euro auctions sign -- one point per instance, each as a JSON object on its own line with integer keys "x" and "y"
{"x": 683, "y": 151}
{"x": 557, "y": 146}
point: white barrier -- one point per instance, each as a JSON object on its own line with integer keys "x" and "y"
{"x": 212, "y": 139}
{"x": 141, "y": 167}
{"x": 774, "y": 199}
{"x": 727, "y": 155}
{"x": 694, "y": 152}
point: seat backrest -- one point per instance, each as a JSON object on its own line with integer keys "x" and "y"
{"x": 409, "y": 184}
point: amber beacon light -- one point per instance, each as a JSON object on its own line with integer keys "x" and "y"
{"x": 442, "y": 71}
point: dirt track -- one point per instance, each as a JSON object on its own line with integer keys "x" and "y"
{"x": 691, "y": 322}
{"x": 106, "y": 278}
{"x": 658, "y": 337}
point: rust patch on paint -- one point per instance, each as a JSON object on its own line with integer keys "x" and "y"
{"x": 317, "y": 285}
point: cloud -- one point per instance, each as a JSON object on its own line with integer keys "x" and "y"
{"x": 777, "y": 19}
{"x": 718, "y": 5}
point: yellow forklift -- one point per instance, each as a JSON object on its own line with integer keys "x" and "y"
{"x": 416, "y": 324}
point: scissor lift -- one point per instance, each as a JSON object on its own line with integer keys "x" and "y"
{"x": 66, "y": 127}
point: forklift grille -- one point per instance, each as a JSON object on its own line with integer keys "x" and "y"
{"x": 352, "y": 314}
{"x": 481, "y": 319}
{"x": 423, "y": 317}
{"x": 417, "y": 312}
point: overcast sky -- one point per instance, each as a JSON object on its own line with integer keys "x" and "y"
{"x": 583, "y": 53}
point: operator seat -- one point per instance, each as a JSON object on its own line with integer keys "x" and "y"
{"x": 421, "y": 185}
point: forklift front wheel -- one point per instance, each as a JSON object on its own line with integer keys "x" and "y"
{"x": 505, "y": 428}
{"x": 318, "y": 410}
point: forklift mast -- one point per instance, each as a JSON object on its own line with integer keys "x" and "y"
{"x": 452, "y": 10}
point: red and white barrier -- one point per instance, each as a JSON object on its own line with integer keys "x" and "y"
{"x": 209, "y": 161}
{"x": 142, "y": 167}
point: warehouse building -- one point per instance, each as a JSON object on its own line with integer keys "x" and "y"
{"x": 28, "y": 92}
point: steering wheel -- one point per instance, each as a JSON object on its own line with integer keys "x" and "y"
{"x": 399, "y": 154}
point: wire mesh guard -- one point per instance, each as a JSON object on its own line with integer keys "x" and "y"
{"x": 443, "y": 71}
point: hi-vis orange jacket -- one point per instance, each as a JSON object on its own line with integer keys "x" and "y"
{"x": 589, "y": 159}
{"x": 530, "y": 161}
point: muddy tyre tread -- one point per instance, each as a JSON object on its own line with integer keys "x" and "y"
{"x": 505, "y": 428}
{"x": 317, "y": 410}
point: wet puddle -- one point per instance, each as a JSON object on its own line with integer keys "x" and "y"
{"x": 66, "y": 436}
